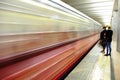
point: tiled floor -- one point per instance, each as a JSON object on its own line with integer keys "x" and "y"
{"x": 101, "y": 70}
{"x": 96, "y": 66}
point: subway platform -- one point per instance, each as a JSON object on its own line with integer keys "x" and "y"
{"x": 96, "y": 66}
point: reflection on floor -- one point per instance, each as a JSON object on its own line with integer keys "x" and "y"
{"x": 96, "y": 66}
{"x": 101, "y": 70}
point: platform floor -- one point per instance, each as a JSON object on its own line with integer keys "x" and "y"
{"x": 96, "y": 66}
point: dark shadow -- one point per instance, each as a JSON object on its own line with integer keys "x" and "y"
{"x": 112, "y": 69}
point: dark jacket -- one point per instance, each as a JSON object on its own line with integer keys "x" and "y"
{"x": 102, "y": 34}
{"x": 109, "y": 34}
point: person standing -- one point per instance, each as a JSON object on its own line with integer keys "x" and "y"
{"x": 109, "y": 34}
{"x": 103, "y": 39}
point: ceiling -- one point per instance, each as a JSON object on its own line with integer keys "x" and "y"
{"x": 99, "y": 10}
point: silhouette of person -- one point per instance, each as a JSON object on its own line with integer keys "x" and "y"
{"x": 109, "y": 34}
{"x": 103, "y": 39}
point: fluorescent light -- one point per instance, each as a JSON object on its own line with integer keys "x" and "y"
{"x": 43, "y": 1}
{"x": 102, "y": 4}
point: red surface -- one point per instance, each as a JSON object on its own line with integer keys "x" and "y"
{"x": 50, "y": 65}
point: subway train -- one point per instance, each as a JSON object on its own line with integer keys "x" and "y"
{"x": 42, "y": 39}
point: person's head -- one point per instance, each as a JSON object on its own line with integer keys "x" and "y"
{"x": 104, "y": 28}
{"x": 109, "y": 27}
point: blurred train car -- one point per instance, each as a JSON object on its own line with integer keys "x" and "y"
{"x": 42, "y": 39}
